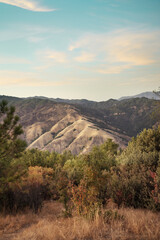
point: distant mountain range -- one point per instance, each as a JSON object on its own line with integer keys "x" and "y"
{"x": 149, "y": 95}
{"x": 77, "y": 125}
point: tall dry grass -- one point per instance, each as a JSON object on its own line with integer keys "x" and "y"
{"x": 51, "y": 225}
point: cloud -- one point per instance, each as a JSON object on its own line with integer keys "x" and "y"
{"x": 85, "y": 57}
{"x": 118, "y": 51}
{"x": 28, "y": 5}
{"x": 146, "y": 79}
{"x": 84, "y": 41}
{"x": 112, "y": 69}
{"x": 13, "y": 60}
{"x": 49, "y": 58}
{"x": 34, "y": 39}
{"x": 106, "y": 68}
{"x": 135, "y": 48}
{"x": 59, "y": 57}
{"x": 31, "y": 33}
{"x": 29, "y": 79}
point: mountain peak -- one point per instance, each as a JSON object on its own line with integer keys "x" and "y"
{"x": 149, "y": 95}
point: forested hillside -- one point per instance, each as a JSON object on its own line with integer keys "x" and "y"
{"x": 78, "y": 125}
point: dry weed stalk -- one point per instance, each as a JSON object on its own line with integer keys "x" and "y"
{"x": 49, "y": 225}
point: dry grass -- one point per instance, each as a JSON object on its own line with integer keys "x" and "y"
{"x": 49, "y": 225}
{"x": 11, "y": 224}
{"x": 143, "y": 224}
{"x": 14, "y": 224}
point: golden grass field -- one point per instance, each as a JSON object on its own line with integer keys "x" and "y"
{"x": 50, "y": 224}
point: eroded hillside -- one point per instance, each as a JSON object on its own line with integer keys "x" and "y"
{"x": 56, "y": 125}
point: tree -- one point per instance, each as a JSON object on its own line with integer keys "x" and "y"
{"x": 135, "y": 181}
{"x": 156, "y": 113}
{"x": 144, "y": 149}
{"x": 10, "y": 145}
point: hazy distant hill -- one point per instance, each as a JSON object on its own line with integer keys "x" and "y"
{"x": 149, "y": 95}
{"x": 77, "y": 125}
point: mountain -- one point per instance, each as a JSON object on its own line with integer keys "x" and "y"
{"x": 59, "y": 126}
{"x": 149, "y": 95}
{"x": 78, "y": 125}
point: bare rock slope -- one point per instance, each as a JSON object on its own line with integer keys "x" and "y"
{"x": 58, "y": 127}
{"x": 76, "y": 134}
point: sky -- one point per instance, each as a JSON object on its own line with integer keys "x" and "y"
{"x": 79, "y": 49}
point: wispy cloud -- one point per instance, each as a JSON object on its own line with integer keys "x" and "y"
{"x": 28, "y": 5}
{"x": 146, "y": 79}
{"x": 59, "y": 57}
{"x": 13, "y": 60}
{"x": 120, "y": 50}
{"x": 110, "y": 53}
{"x": 28, "y": 32}
{"x": 50, "y": 58}
{"x": 135, "y": 48}
{"x": 109, "y": 69}
{"x": 35, "y": 39}
{"x": 23, "y": 31}
{"x": 85, "y": 57}
{"x": 29, "y": 79}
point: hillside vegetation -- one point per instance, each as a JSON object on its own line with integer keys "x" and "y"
{"x": 78, "y": 125}
{"x": 95, "y": 189}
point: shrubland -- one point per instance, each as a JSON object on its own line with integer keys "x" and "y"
{"x": 85, "y": 184}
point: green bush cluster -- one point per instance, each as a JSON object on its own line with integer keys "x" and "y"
{"x": 85, "y": 182}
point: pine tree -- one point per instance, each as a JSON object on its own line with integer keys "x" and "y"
{"x": 156, "y": 113}
{"x": 10, "y": 145}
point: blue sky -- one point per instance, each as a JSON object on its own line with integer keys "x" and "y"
{"x": 93, "y": 49}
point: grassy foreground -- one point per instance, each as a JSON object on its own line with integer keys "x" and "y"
{"x": 50, "y": 224}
